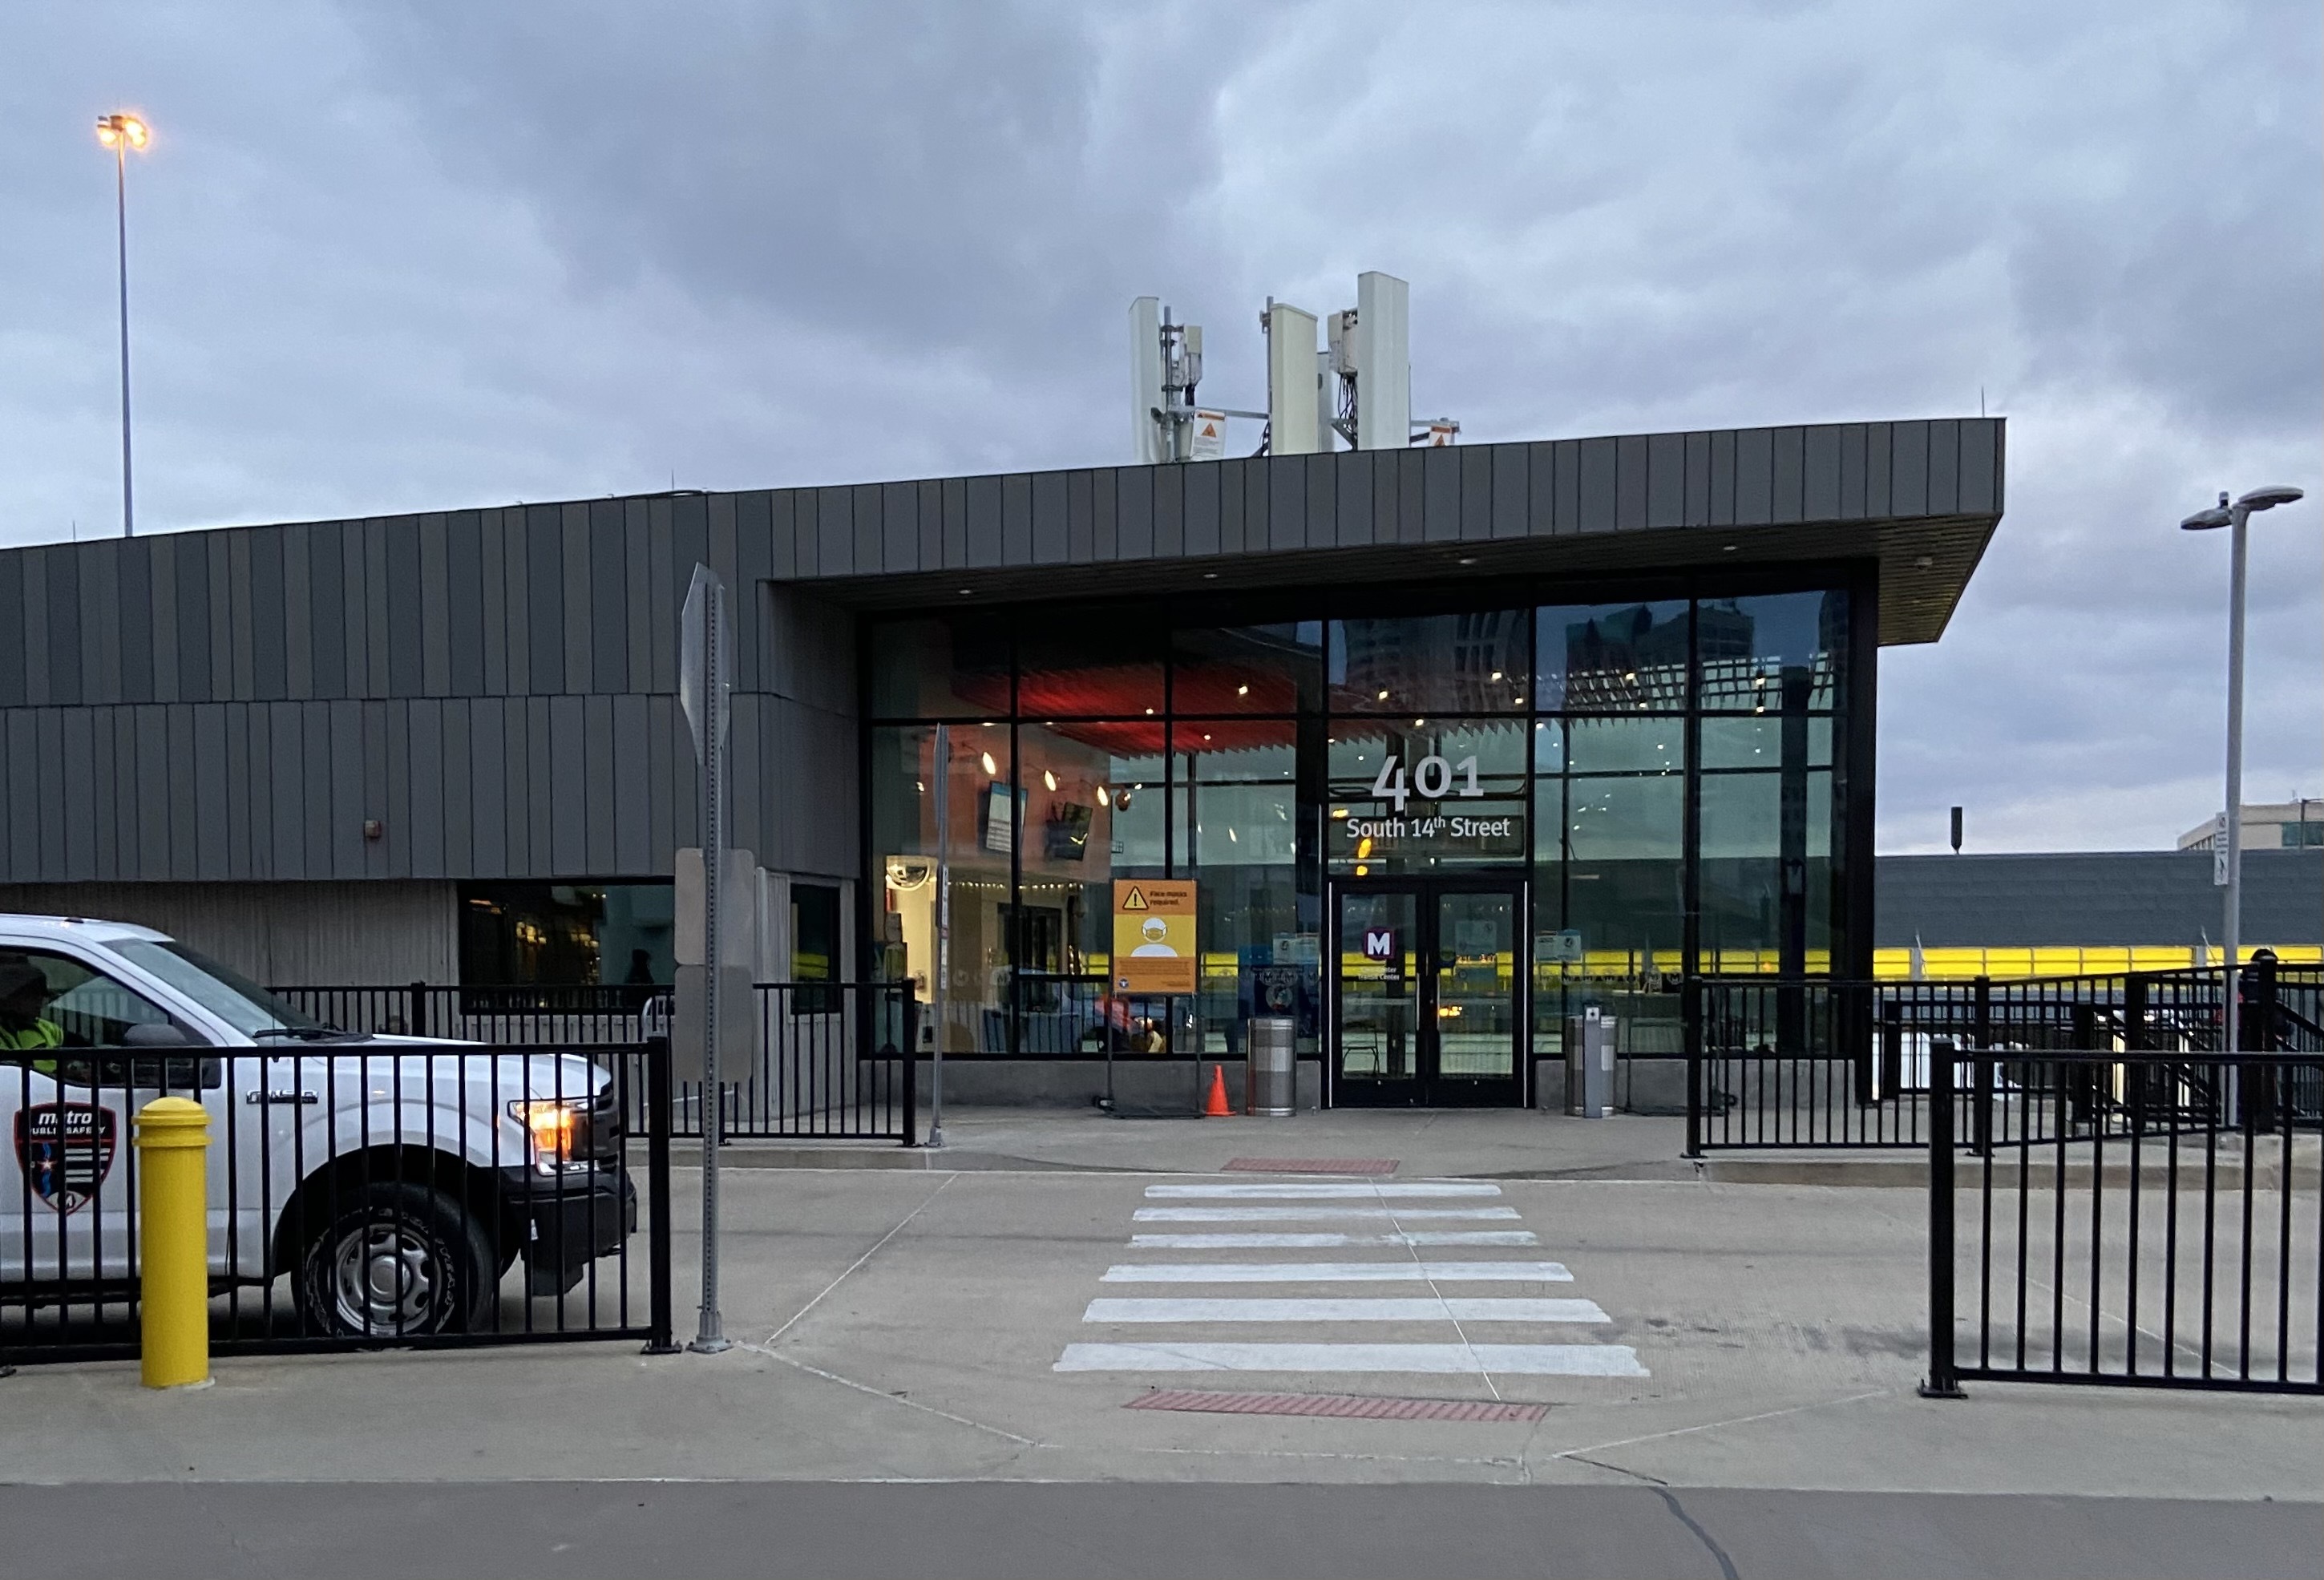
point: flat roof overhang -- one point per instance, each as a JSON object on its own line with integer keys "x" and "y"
{"x": 1919, "y": 500}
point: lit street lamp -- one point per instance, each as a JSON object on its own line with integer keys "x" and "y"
{"x": 2229, "y": 868}
{"x": 121, "y": 133}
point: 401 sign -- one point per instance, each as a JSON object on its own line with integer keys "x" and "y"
{"x": 1433, "y": 780}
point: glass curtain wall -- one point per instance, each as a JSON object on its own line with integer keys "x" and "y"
{"x": 1129, "y": 750}
{"x": 1665, "y": 773}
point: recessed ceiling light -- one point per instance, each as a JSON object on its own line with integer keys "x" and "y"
{"x": 1727, "y": 548}
{"x": 1468, "y": 560}
{"x": 965, "y": 592}
{"x": 1210, "y": 576}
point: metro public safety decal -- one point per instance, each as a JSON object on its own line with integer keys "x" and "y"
{"x": 66, "y": 1150}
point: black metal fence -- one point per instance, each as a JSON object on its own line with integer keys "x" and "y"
{"x": 828, "y": 1059}
{"x": 1827, "y": 1063}
{"x": 359, "y": 1195}
{"x": 2139, "y": 1218}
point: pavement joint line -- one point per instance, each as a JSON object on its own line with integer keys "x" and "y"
{"x": 1413, "y": 1250}
{"x": 2192, "y": 1352}
{"x": 911, "y": 1404}
{"x": 1712, "y": 1426}
{"x": 800, "y": 1314}
{"x": 1069, "y": 1171}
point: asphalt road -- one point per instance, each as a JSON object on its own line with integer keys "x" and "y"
{"x": 575, "y": 1531}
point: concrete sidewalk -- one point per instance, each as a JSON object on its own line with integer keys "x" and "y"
{"x": 913, "y": 1326}
{"x": 1470, "y": 1143}
{"x": 1498, "y": 1143}
{"x": 1488, "y": 1144}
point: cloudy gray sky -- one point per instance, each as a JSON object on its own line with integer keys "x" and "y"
{"x": 393, "y": 257}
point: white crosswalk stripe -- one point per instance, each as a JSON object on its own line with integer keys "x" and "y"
{"x": 1335, "y": 1272}
{"x": 1388, "y": 1215}
{"x": 1295, "y": 1192}
{"x": 1317, "y": 1214}
{"x": 1425, "y": 1309}
{"x": 1230, "y": 1242}
{"x": 1505, "y": 1360}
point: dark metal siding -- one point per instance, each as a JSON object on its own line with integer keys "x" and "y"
{"x": 496, "y": 686}
{"x": 2107, "y": 900}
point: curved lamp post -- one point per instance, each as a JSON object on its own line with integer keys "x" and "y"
{"x": 122, "y": 133}
{"x": 2235, "y": 518}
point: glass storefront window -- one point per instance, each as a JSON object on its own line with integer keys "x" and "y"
{"x": 1093, "y": 809}
{"x": 1235, "y": 832}
{"x": 1546, "y": 745}
{"x": 1767, "y": 871}
{"x": 1426, "y": 794}
{"x": 1074, "y": 665}
{"x": 1622, "y": 885}
{"x": 954, "y": 668}
{"x": 1474, "y": 662}
{"x": 1758, "y": 742}
{"x": 1757, "y": 651}
{"x": 983, "y": 820}
{"x": 1606, "y": 745}
{"x": 1249, "y": 668}
{"x": 1613, "y": 658}
{"x": 566, "y": 935}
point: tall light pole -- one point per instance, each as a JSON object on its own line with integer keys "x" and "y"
{"x": 121, "y": 133}
{"x": 2228, "y": 870}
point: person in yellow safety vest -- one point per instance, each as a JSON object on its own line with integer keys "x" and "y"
{"x": 23, "y": 1028}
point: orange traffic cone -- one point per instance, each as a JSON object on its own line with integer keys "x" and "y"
{"x": 1214, "y": 1106}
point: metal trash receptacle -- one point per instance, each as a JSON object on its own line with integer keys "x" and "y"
{"x": 1589, "y": 1065}
{"x": 1269, "y": 1084}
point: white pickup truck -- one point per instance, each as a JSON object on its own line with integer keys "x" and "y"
{"x": 395, "y": 1184}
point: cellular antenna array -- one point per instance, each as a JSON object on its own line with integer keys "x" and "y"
{"x": 1357, "y": 387}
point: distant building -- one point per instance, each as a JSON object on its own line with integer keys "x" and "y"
{"x": 2004, "y": 916}
{"x": 2272, "y": 826}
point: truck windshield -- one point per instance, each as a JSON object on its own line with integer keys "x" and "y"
{"x": 223, "y": 991}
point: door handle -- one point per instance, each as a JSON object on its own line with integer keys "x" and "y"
{"x": 281, "y": 1097}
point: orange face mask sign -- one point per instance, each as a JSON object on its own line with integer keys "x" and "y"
{"x": 1153, "y": 936}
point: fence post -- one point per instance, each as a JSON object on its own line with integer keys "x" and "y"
{"x": 1980, "y": 1070}
{"x": 658, "y": 1342}
{"x": 1943, "y": 1381}
{"x": 416, "y": 1017}
{"x": 1892, "y": 1048}
{"x": 911, "y": 1125}
{"x": 2256, "y": 1030}
{"x": 2134, "y": 1040}
{"x": 2080, "y": 1077}
{"x": 1690, "y": 1010}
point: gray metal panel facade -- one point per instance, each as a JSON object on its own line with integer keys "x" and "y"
{"x": 2102, "y": 900}
{"x": 495, "y": 686}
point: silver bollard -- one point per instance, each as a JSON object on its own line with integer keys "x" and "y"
{"x": 1589, "y": 1065}
{"x": 1270, "y": 1086}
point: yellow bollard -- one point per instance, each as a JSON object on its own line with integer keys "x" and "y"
{"x": 173, "y": 1241}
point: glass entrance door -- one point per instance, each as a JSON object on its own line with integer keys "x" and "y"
{"x": 1427, "y": 1010}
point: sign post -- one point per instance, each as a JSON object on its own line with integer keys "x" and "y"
{"x": 941, "y": 977}
{"x": 705, "y": 684}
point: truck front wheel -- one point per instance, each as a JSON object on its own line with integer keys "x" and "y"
{"x": 398, "y": 1260}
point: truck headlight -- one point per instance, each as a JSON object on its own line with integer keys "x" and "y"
{"x": 558, "y": 1129}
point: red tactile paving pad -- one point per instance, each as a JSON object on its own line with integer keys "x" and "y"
{"x": 1313, "y": 1166}
{"x": 1345, "y": 1407}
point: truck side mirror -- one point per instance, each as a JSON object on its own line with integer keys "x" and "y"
{"x": 153, "y": 1034}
